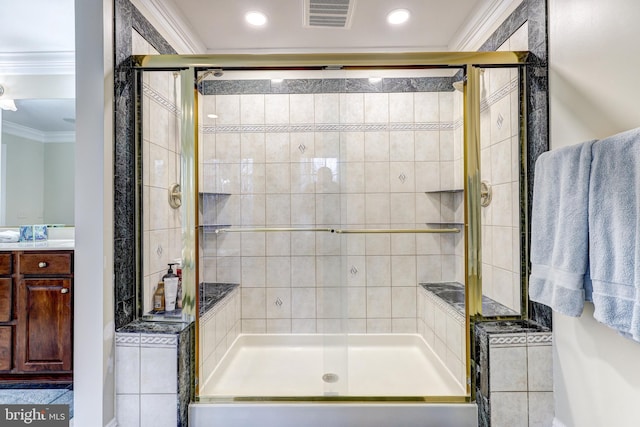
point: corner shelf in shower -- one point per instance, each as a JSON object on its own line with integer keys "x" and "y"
{"x": 209, "y": 194}
{"x": 453, "y": 190}
{"x": 458, "y": 225}
{"x": 213, "y": 228}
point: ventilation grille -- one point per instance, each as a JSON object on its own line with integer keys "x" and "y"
{"x": 328, "y": 13}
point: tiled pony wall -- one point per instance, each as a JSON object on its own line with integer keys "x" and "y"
{"x": 288, "y": 154}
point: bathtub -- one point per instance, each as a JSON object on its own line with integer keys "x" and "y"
{"x": 324, "y": 369}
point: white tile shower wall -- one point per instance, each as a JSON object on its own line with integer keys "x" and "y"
{"x": 146, "y": 393}
{"x": 443, "y": 328}
{"x": 219, "y": 328}
{"x": 285, "y": 165}
{"x": 161, "y": 168}
{"x": 500, "y": 152}
{"x": 520, "y": 379}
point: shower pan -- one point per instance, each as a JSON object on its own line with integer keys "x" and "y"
{"x": 331, "y": 230}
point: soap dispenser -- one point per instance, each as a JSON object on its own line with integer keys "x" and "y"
{"x": 170, "y": 289}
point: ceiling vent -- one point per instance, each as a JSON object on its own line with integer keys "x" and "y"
{"x": 328, "y": 13}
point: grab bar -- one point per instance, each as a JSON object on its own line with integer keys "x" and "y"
{"x": 268, "y": 230}
{"x": 399, "y": 230}
{"x": 332, "y": 230}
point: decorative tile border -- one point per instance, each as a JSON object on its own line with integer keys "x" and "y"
{"x": 499, "y": 94}
{"x": 158, "y": 340}
{"x": 539, "y": 338}
{"x": 508, "y": 340}
{"x": 333, "y": 127}
{"x": 160, "y": 99}
{"x": 124, "y": 339}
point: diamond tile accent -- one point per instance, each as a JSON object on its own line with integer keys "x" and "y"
{"x": 302, "y": 148}
{"x": 402, "y": 178}
{"x": 353, "y": 270}
{"x": 500, "y": 121}
{"x": 159, "y": 250}
{"x": 278, "y": 302}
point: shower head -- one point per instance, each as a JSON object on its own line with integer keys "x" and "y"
{"x": 215, "y": 72}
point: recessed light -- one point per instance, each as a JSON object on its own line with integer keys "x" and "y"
{"x": 398, "y": 16}
{"x": 257, "y": 19}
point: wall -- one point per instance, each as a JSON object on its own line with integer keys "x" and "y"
{"x": 500, "y": 161}
{"x": 93, "y": 327}
{"x": 59, "y": 174}
{"x": 25, "y": 164}
{"x": 126, "y": 228}
{"x": 161, "y": 228}
{"x": 41, "y": 170}
{"x": 268, "y": 151}
{"x": 593, "y": 62}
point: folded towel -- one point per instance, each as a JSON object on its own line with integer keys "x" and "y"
{"x": 614, "y": 213}
{"x": 9, "y": 236}
{"x": 559, "y": 228}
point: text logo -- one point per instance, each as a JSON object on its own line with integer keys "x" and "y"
{"x": 34, "y": 415}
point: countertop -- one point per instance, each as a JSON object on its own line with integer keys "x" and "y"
{"x": 45, "y": 245}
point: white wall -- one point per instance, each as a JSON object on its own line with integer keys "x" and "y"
{"x": 25, "y": 168}
{"x": 59, "y": 172}
{"x": 593, "y": 70}
{"x": 94, "y": 352}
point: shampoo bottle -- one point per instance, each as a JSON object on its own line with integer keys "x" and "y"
{"x": 158, "y": 298}
{"x": 179, "y": 294}
{"x": 170, "y": 289}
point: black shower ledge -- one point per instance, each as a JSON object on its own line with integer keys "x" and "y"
{"x": 453, "y": 294}
{"x": 212, "y": 293}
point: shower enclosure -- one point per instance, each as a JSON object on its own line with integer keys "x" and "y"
{"x": 331, "y": 216}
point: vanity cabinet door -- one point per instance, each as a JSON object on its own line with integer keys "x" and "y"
{"x": 6, "y": 345}
{"x": 5, "y": 264}
{"x": 43, "y": 341}
{"x": 6, "y": 300}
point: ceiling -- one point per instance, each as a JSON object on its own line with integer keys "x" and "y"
{"x": 220, "y": 26}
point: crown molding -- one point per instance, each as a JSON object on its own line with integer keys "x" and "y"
{"x": 170, "y": 22}
{"x": 37, "y": 135}
{"x": 482, "y": 22}
{"x": 52, "y": 63}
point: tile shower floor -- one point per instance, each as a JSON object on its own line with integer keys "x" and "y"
{"x": 56, "y": 396}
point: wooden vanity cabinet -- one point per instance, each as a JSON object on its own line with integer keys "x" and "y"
{"x": 36, "y": 309}
{"x": 7, "y": 324}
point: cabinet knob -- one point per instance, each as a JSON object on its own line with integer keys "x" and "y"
{"x": 42, "y": 264}
{"x": 64, "y": 291}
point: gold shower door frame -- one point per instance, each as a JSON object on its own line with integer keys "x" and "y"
{"x": 470, "y": 62}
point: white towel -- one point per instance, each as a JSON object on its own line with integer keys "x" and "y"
{"x": 9, "y": 236}
{"x": 614, "y": 215}
{"x": 559, "y": 229}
